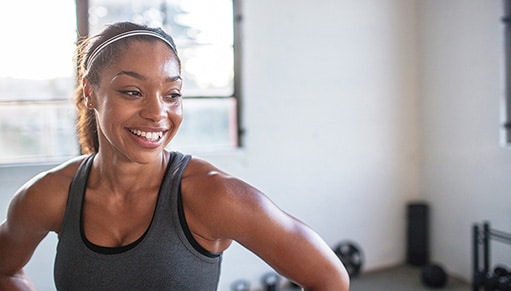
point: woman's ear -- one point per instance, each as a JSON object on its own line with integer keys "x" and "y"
{"x": 88, "y": 94}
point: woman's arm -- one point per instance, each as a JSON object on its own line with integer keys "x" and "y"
{"x": 288, "y": 245}
{"x": 20, "y": 233}
{"x": 36, "y": 209}
{"x": 16, "y": 282}
{"x": 228, "y": 208}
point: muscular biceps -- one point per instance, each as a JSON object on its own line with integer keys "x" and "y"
{"x": 36, "y": 209}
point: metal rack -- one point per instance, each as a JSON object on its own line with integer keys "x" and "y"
{"x": 481, "y": 238}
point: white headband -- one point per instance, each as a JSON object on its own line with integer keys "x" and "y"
{"x": 96, "y": 52}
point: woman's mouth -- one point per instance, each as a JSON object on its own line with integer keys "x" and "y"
{"x": 148, "y": 135}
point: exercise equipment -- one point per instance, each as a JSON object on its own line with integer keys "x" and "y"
{"x": 240, "y": 285}
{"x": 270, "y": 281}
{"x": 498, "y": 280}
{"x": 417, "y": 234}
{"x": 351, "y": 256}
{"x": 433, "y": 275}
{"x": 483, "y": 277}
{"x": 500, "y": 270}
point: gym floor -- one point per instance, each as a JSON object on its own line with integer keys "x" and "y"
{"x": 401, "y": 278}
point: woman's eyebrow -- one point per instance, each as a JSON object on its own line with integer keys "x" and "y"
{"x": 131, "y": 74}
{"x": 143, "y": 78}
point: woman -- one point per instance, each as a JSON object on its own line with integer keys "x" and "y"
{"x": 131, "y": 215}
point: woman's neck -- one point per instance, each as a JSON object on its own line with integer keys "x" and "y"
{"x": 124, "y": 177}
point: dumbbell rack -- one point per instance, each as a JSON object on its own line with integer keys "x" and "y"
{"x": 481, "y": 243}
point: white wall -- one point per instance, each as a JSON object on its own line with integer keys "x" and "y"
{"x": 336, "y": 133}
{"x": 464, "y": 171}
{"x": 330, "y": 108}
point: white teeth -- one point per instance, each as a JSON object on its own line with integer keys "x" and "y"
{"x": 152, "y": 136}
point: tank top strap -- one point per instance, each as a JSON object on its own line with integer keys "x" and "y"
{"x": 75, "y": 195}
{"x": 172, "y": 178}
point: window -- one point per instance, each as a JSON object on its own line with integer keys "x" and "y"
{"x": 204, "y": 34}
{"x": 37, "y": 76}
{"x": 37, "y": 80}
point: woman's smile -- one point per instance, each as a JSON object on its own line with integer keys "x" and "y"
{"x": 148, "y": 138}
{"x": 149, "y": 135}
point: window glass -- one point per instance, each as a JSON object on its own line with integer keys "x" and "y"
{"x": 37, "y": 80}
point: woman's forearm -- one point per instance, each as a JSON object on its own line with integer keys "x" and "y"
{"x": 16, "y": 282}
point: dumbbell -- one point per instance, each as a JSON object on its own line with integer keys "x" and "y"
{"x": 504, "y": 283}
{"x": 240, "y": 285}
{"x": 503, "y": 278}
{"x": 351, "y": 256}
{"x": 270, "y": 281}
{"x": 500, "y": 271}
{"x": 434, "y": 275}
{"x": 499, "y": 280}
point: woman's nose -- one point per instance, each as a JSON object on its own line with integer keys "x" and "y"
{"x": 154, "y": 109}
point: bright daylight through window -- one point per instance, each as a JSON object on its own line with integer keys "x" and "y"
{"x": 37, "y": 77}
{"x": 36, "y": 80}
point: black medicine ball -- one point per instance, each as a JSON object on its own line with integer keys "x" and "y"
{"x": 433, "y": 275}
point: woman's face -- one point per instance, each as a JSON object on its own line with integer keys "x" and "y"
{"x": 138, "y": 102}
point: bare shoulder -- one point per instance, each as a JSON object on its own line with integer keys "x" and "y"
{"x": 43, "y": 198}
{"x": 220, "y": 205}
{"x": 216, "y": 187}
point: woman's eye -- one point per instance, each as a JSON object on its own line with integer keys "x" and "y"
{"x": 133, "y": 93}
{"x": 173, "y": 96}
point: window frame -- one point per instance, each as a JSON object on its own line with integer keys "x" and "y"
{"x": 506, "y": 112}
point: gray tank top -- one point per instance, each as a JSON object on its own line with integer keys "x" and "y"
{"x": 166, "y": 257}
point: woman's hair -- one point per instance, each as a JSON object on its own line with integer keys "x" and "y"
{"x": 93, "y": 55}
